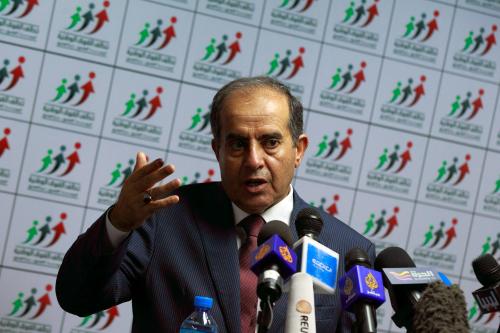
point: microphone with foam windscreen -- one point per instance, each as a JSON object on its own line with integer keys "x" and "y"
{"x": 441, "y": 309}
{"x": 273, "y": 262}
{"x": 404, "y": 282}
{"x": 487, "y": 271}
{"x": 361, "y": 290}
{"x": 315, "y": 259}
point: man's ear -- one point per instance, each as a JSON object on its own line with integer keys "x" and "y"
{"x": 215, "y": 148}
{"x": 300, "y": 149}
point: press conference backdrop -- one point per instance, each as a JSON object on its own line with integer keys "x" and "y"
{"x": 402, "y": 110}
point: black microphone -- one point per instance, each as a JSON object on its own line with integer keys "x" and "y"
{"x": 273, "y": 261}
{"x": 403, "y": 297}
{"x": 441, "y": 309}
{"x": 487, "y": 271}
{"x": 361, "y": 290}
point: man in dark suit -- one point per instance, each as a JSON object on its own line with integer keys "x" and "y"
{"x": 160, "y": 245}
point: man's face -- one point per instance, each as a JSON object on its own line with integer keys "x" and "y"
{"x": 256, "y": 154}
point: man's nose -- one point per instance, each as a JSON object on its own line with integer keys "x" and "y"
{"x": 254, "y": 158}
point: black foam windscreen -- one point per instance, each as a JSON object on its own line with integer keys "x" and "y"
{"x": 393, "y": 257}
{"x": 308, "y": 221}
{"x": 487, "y": 269}
{"x": 275, "y": 227}
{"x": 441, "y": 309}
{"x": 356, "y": 256}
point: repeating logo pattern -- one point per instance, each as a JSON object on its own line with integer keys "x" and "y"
{"x": 390, "y": 170}
{"x": 74, "y": 91}
{"x": 423, "y": 29}
{"x": 491, "y": 246}
{"x": 452, "y": 174}
{"x": 360, "y": 15}
{"x": 28, "y": 305}
{"x": 86, "y": 21}
{"x": 381, "y": 226}
{"x": 462, "y": 106}
{"x": 136, "y": 118}
{"x": 330, "y": 160}
{"x": 330, "y": 208}
{"x": 198, "y": 177}
{"x": 474, "y": 52}
{"x": 223, "y": 51}
{"x": 4, "y": 147}
{"x": 439, "y": 238}
{"x": 477, "y": 44}
{"x": 355, "y": 25}
{"x": 435, "y": 246}
{"x": 56, "y": 172}
{"x": 120, "y": 174}
{"x": 200, "y": 121}
{"x": 108, "y": 193}
{"x": 11, "y": 74}
{"x": 297, "y": 5}
{"x": 136, "y": 106}
{"x": 17, "y": 9}
{"x": 341, "y": 80}
{"x": 157, "y": 37}
{"x": 100, "y": 320}
{"x": 394, "y": 161}
{"x": 197, "y": 136}
{"x": 4, "y": 142}
{"x": 408, "y": 94}
{"x": 45, "y": 235}
{"x": 327, "y": 147}
{"x": 53, "y": 163}
{"x": 279, "y": 66}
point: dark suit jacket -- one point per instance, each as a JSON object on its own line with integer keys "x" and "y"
{"x": 185, "y": 250}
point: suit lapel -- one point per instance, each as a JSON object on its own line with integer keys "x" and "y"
{"x": 218, "y": 234}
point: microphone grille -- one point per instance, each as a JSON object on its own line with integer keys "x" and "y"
{"x": 487, "y": 269}
{"x": 275, "y": 227}
{"x": 308, "y": 221}
{"x": 356, "y": 256}
{"x": 393, "y": 257}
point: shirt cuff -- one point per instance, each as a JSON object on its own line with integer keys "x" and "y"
{"x": 115, "y": 236}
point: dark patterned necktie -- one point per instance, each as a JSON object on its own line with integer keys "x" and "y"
{"x": 248, "y": 280}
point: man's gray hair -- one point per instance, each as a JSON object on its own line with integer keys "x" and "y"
{"x": 295, "y": 119}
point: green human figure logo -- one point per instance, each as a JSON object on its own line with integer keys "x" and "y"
{"x": 75, "y": 18}
{"x": 428, "y": 235}
{"x": 322, "y": 146}
{"x": 369, "y": 224}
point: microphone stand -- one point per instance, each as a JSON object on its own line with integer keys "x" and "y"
{"x": 265, "y": 316}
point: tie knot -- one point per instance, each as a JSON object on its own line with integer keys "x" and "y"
{"x": 252, "y": 225}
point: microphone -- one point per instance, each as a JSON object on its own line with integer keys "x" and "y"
{"x": 441, "y": 309}
{"x": 315, "y": 259}
{"x": 300, "y": 311}
{"x": 487, "y": 271}
{"x": 404, "y": 282}
{"x": 273, "y": 261}
{"x": 361, "y": 290}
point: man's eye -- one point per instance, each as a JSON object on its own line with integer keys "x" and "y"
{"x": 272, "y": 143}
{"x": 237, "y": 145}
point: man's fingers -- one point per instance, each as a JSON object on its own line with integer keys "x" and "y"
{"x": 160, "y": 192}
{"x": 141, "y": 160}
{"x": 145, "y": 170}
{"x": 154, "y": 177}
{"x": 161, "y": 203}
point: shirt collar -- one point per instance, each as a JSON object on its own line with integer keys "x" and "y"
{"x": 282, "y": 211}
